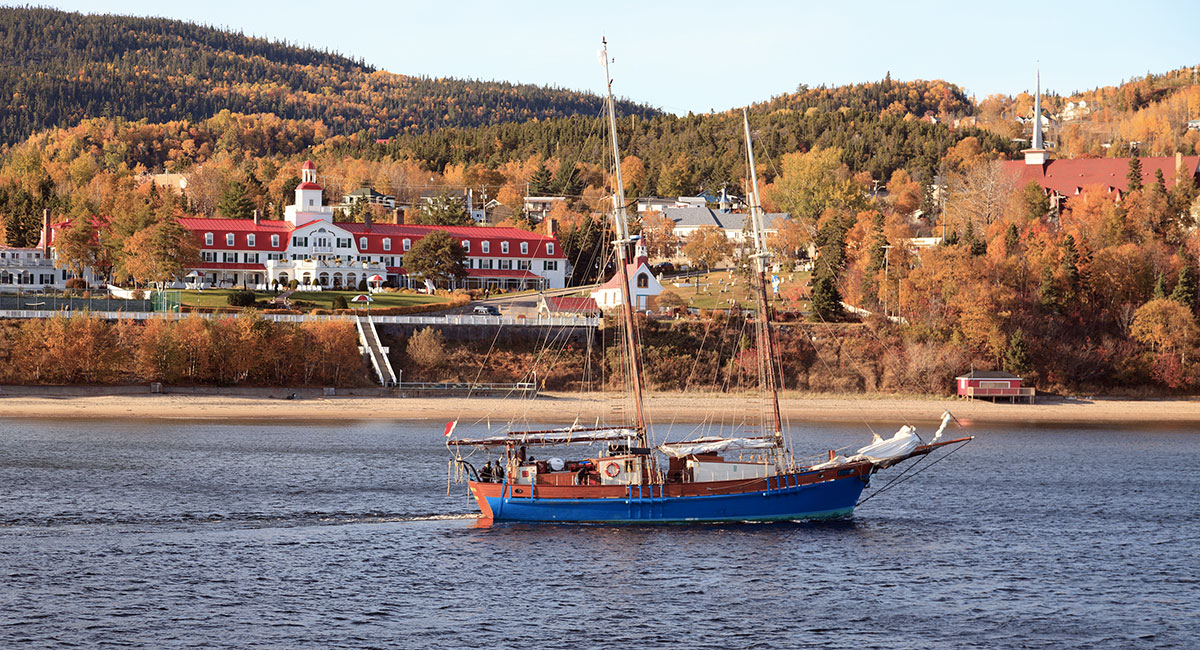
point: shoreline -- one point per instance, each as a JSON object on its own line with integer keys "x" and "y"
{"x": 553, "y": 407}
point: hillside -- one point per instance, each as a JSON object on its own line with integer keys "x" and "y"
{"x": 58, "y": 68}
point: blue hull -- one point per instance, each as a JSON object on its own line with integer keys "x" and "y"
{"x": 827, "y": 500}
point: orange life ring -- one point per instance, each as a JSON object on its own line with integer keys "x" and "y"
{"x": 613, "y": 469}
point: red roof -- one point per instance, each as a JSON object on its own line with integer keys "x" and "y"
{"x": 308, "y": 164}
{"x": 308, "y": 186}
{"x": 571, "y": 304}
{"x": 1070, "y": 176}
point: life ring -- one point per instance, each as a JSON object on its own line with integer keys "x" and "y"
{"x": 613, "y": 470}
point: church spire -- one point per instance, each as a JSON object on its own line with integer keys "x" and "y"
{"x": 1037, "y": 112}
{"x": 1037, "y": 154}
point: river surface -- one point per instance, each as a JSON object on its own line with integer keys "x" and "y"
{"x": 181, "y": 534}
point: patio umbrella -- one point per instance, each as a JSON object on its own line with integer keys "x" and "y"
{"x": 362, "y": 297}
{"x": 376, "y": 280}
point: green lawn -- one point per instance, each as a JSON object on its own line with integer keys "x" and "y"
{"x": 722, "y": 290}
{"x": 323, "y": 299}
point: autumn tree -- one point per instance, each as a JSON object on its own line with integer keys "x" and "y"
{"x": 159, "y": 253}
{"x": 427, "y": 348}
{"x": 978, "y": 196}
{"x": 436, "y": 257}
{"x": 77, "y": 248}
{"x": 1165, "y": 325}
{"x": 813, "y": 182}
{"x": 658, "y": 235}
{"x": 707, "y": 247}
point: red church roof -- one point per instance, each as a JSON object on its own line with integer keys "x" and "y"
{"x": 632, "y": 268}
{"x": 574, "y": 304}
{"x": 1069, "y": 177}
{"x": 308, "y": 164}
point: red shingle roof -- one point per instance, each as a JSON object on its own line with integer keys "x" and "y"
{"x": 1070, "y": 176}
{"x": 571, "y": 304}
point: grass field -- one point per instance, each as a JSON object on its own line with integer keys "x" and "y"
{"x": 323, "y": 299}
{"x": 721, "y": 290}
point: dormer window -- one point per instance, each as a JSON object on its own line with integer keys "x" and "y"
{"x": 208, "y": 239}
{"x": 250, "y": 239}
{"x": 387, "y": 243}
{"x": 362, "y": 243}
{"x": 466, "y": 244}
{"x": 504, "y": 248}
{"x": 229, "y": 239}
{"x": 524, "y": 248}
{"x": 549, "y": 248}
{"x": 487, "y": 246}
{"x": 274, "y": 241}
{"x": 407, "y": 244}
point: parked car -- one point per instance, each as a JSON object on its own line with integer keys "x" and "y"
{"x": 485, "y": 310}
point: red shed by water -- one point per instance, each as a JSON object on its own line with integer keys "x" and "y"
{"x": 993, "y": 384}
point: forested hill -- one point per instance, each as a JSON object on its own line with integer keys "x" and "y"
{"x": 58, "y": 68}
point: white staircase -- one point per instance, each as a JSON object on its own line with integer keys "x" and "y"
{"x": 368, "y": 343}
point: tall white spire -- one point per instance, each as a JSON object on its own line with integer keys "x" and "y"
{"x": 1037, "y": 112}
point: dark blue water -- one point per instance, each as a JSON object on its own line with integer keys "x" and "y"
{"x": 286, "y": 535}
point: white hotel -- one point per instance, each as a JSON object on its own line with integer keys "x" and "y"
{"x": 311, "y": 248}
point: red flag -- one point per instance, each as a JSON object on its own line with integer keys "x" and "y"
{"x": 450, "y": 427}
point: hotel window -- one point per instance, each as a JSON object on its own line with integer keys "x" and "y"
{"x": 210, "y": 256}
{"x": 252, "y": 258}
{"x": 506, "y": 265}
{"x": 466, "y": 244}
{"x": 387, "y": 243}
{"x": 362, "y": 243}
{"x": 549, "y": 248}
{"x": 407, "y": 243}
{"x": 299, "y": 241}
{"x": 504, "y": 248}
{"x": 485, "y": 264}
{"x": 208, "y": 239}
{"x": 550, "y": 265}
{"x": 469, "y": 263}
{"x": 229, "y": 258}
{"x": 486, "y": 247}
{"x": 343, "y": 243}
{"x": 524, "y": 248}
{"x": 274, "y": 241}
{"x": 229, "y": 239}
{"x": 523, "y": 265}
{"x": 250, "y": 239}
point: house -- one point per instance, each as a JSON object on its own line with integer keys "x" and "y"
{"x": 549, "y": 306}
{"x": 537, "y": 207}
{"x": 309, "y": 246}
{"x": 642, "y": 287}
{"x": 993, "y": 384}
{"x": 369, "y": 196}
{"x": 477, "y": 213}
{"x": 1193, "y": 125}
{"x": 734, "y": 224}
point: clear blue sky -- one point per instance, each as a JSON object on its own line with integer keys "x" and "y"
{"x": 702, "y": 55}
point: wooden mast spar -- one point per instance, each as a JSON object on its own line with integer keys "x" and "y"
{"x": 621, "y": 244}
{"x": 766, "y": 336}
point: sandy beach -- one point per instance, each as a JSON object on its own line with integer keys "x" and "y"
{"x": 271, "y": 404}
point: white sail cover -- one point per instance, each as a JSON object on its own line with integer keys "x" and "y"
{"x": 901, "y": 444}
{"x": 713, "y": 444}
{"x": 563, "y": 436}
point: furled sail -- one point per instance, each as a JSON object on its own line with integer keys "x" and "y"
{"x": 901, "y": 444}
{"x": 562, "y": 436}
{"x": 713, "y": 444}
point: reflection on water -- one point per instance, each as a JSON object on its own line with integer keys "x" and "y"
{"x": 185, "y": 534}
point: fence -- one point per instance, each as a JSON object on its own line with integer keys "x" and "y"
{"x": 464, "y": 319}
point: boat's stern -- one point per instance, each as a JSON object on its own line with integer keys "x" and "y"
{"x": 481, "y": 492}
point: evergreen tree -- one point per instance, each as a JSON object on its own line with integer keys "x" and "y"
{"x": 877, "y": 252}
{"x": 540, "y": 182}
{"x": 1134, "y": 178}
{"x": 1016, "y": 355}
{"x": 1159, "y": 292}
{"x": 235, "y": 203}
{"x": 445, "y": 209}
{"x": 568, "y": 182}
{"x": 1049, "y": 295}
{"x": 826, "y": 300}
{"x": 1186, "y": 285}
{"x": 1012, "y": 239}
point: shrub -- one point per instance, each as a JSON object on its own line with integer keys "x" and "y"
{"x": 77, "y": 283}
{"x": 362, "y": 285}
{"x": 427, "y": 348}
{"x": 339, "y": 302}
{"x": 293, "y": 283}
{"x": 240, "y": 299}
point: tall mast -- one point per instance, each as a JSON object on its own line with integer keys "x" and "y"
{"x": 632, "y": 345}
{"x": 766, "y": 336}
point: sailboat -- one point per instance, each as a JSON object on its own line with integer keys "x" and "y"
{"x": 624, "y": 478}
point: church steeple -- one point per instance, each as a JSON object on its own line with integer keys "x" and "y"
{"x": 1037, "y": 154}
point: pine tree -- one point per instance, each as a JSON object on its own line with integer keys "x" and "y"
{"x": 1012, "y": 239}
{"x": 1186, "y": 285}
{"x": 826, "y": 300}
{"x": 1159, "y": 292}
{"x": 539, "y": 182}
{"x": 1134, "y": 177}
{"x": 234, "y": 203}
{"x": 1016, "y": 355}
